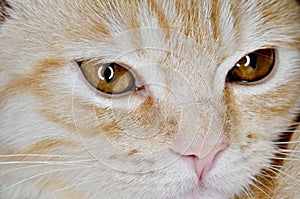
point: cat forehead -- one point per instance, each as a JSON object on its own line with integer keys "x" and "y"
{"x": 212, "y": 28}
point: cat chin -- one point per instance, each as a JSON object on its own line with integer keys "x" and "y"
{"x": 204, "y": 195}
{"x": 203, "y": 192}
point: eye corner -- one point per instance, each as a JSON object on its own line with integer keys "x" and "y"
{"x": 79, "y": 62}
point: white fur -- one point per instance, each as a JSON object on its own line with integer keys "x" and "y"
{"x": 192, "y": 73}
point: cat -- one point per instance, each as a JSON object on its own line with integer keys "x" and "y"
{"x": 149, "y": 99}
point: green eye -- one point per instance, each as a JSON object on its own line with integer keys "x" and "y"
{"x": 110, "y": 78}
{"x": 253, "y": 67}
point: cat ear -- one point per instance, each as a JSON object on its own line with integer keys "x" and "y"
{"x": 3, "y": 12}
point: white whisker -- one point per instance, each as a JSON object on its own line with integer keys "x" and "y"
{"x": 278, "y": 170}
{"x": 32, "y": 166}
{"x": 40, "y": 174}
{"x": 289, "y": 142}
{"x": 69, "y": 187}
{"x": 276, "y": 166}
{"x": 265, "y": 175}
{"x": 35, "y": 155}
{"x": 289, "y": 154}
{"x": 249, "y": 195}
{"x": 278, "y": 174}
{"x": 258, "y": 181}
{"x": 286, "y": 158}
{"x": 290, "y": 150}
{"x": 16, "y": 169}
{"x": 47, "y": 162}
{"x": 262, "y": 191}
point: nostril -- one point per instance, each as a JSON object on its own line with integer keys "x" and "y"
{"x": 191, "y": 156}
{"x": 204, "y": 164}
{"x": 190, "y": 153}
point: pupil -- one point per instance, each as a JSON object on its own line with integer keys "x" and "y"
{"x": 253, "y": 59}
{"x": 109, "y": 73}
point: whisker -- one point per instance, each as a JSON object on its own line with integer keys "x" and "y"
{"x": 262, "y": 191}
{"x": 290, "y": 131}
{"x": 276, "y": 166}
{"x": 47, "y": 162}
{"x": 288, "y": 154}
{"x": 16, "y": 169}
{"x": 258, "y": 181}
{"x": 265, "y": 176}
{"x": 69, "y": 187}
{"x": 278, "y": 170}
{"x": 278, "y": 174}
{"x": 286, "y": 158}
{"x": 32, "y": 166}
{"x": 289, "y": 150}
{"x": 40, "y": 174}
{"x": 35, "y": 155}
{"x": 247, "y": 193}
{"x": 289, "y": 142}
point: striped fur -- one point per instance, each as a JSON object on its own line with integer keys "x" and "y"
{"x": 59, "y": 138}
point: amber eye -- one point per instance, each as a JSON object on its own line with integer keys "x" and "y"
{"x": 253, "y": 67}
{"x": 110, "y": 78}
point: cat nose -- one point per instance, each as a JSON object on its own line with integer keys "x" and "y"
{"x": 203, "y": 154}
{"x": 204, "y": 163}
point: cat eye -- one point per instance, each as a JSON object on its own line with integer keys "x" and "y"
{"x": 253, "y": 67}
{"x": 109, "y": 78}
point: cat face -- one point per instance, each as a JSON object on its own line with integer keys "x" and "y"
{"x": 154, "y": 99}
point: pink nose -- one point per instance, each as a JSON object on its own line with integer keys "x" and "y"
{"x": 201, "y": 147}
{"x": 204, "y": 164}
